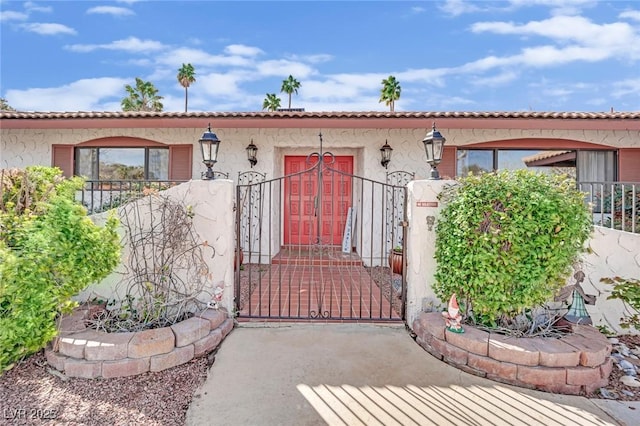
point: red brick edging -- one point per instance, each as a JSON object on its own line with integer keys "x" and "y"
{"x": 575, "y": 364}
{"x": 88, "y": 353}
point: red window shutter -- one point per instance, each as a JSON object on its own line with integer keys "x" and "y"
{"x": 180, "y": 162}
{"x": 447, "y": 166}
{"x": 62, "y": 157}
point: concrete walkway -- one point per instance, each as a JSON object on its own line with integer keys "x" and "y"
{"x": 360, "y": 374}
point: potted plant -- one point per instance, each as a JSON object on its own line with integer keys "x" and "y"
{"x": 396, "y": 259}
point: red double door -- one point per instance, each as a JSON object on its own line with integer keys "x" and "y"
{"x": 316, "y": 208}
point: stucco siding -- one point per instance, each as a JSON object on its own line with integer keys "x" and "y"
{"x": 22, "y": 147}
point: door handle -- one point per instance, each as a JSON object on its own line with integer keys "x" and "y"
{"x": 315, "y": 205}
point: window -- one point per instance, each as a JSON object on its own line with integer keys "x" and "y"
{"x": 122, "y": 163}
{"x": 597, "y": 166}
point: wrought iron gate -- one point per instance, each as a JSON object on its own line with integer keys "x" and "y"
{"x": 315, "y": 244}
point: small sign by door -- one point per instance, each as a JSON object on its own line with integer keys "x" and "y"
{"x": 346, "y": 239}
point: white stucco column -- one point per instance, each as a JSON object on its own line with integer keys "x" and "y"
{"x": 214, "y": 221}
{"x": 423, "y": 212}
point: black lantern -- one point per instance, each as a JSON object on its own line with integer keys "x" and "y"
{"x": 209, "y": 144}
{"x": 252, "y": 151}
{"x": 385, "y": 153}
{"x": 433, "y": 145}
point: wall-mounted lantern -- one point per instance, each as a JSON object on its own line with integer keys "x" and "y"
{"x": 385, "y": 153}
{"x": 433, "y": 146}
{"x": 209, "y": 144}
{"x": 252, "y": 151}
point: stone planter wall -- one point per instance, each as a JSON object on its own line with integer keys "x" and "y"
{"x": 88, "y": 353}
{"x": 575, "y": 364}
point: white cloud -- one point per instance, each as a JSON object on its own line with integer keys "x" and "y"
{"x": 199, "y": 58}
{"x": 34, "y": 7}
{"x": 630, "y": 14}
{"x": 242, "y": 50}
{"x": 418, "y": 9}
{"x": 111, "y": 10}
{"x": 312, "y": 59}
{"x": 626, "y": 87}
{"x": 458, "y": 7}
{"x": 583, "y": 39}
{"x": 219, "y": 84}
{"x": 10, "y": 15}
{"x": 132, "y": 44}
{"x": 500, "y": 79}
{"x": 315, "y": 90}
{"x": 48, "y": 29}
{"x": 283, "y": 68}
{"x": 563, "y": 7}
{"x": 81, "y": 95}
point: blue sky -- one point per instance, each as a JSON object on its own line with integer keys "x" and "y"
{"x": 455, "y": 55}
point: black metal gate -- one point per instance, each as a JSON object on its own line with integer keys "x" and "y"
{"x": 316, "y": 244}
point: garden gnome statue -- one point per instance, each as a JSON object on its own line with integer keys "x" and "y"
{"x": 217, "y": 295}
{"x": 452, "y": 317}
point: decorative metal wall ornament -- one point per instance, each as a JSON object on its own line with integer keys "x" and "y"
{"x": 216, "y": 175}
{"x": 431, "y": 220}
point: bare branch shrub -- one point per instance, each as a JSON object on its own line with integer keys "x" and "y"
{"x": 166, "y": 272}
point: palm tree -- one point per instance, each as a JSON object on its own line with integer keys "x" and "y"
{"x": 186, "y": 76}
{"x": 271, "y": 102}
{"x": 144, "y": 97}
{"x": 4, "y": 105}
{"x": 390, "y": 92}
{"x": 289, "y": 86}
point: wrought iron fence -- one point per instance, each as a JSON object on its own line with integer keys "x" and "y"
{"x": 615, "y": 205}
{"x": 101, "y": 195}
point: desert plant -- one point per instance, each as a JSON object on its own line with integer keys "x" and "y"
{"x": 627, "y": 290}
{"x": 49, "y": 251}
{"x": 506, "y": 241}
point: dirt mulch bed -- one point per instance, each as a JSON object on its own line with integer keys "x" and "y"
{"x": 31, "y": 395}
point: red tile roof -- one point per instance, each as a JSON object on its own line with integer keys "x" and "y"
{"x": 328, "y": 114}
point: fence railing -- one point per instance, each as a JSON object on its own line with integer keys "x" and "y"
{"x": 615, "y": 205}
{"x": 102, "y": 195}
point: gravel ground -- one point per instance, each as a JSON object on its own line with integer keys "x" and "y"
{"x": 31, "y": 395}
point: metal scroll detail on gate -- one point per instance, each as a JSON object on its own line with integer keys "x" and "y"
{"x": 251, "y": 209}
{"x": 324, "y": 159}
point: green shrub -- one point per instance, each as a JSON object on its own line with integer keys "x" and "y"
{"x": 506, "y": 241}
{"x": 627, "y": 290}
{"x": 49, "y": 251}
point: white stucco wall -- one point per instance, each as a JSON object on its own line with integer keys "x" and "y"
{"x": 422, "y": 202}
{"x": 214, "y": 223}
{"x": 613, "y": 254}
{"x": 21, "y": 148}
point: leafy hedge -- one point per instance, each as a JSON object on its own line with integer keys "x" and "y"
{"x": 49, "y": 251}
{"x": 506, "y": 241}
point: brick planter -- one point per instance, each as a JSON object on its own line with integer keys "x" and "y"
{"x": 576, "y": 364}
{"x": 87, "y": 353}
